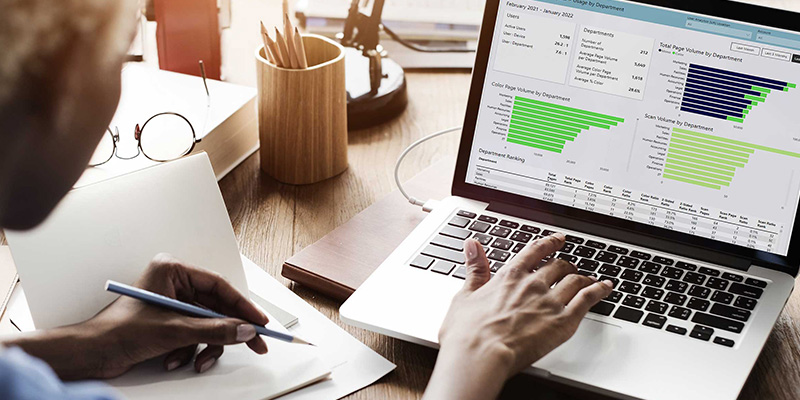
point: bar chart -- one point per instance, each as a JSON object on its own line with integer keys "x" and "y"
{"x": 549, "y": 127}
{"x": 707, "y": 160}
{"x": 727, "y": 95}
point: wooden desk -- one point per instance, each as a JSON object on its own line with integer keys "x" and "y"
{"x": 273, "y": 221}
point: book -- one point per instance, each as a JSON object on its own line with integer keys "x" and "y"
{"x": 226, "y": 121}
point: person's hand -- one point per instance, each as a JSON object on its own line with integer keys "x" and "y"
{"x": 497, "y": 327}
{"x": 128, "y": 331}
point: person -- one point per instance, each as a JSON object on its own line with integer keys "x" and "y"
{"x": 59, "y": 87}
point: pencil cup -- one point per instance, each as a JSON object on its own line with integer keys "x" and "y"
{"x": 302, "y": 115}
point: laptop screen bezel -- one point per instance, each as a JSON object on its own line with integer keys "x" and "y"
{"x": 732, "y": 10}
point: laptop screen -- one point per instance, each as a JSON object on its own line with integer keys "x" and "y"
{"x": 662, "y": 117}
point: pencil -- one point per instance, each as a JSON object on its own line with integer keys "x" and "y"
{"x": 301, "y": 49}
{"x": 273, "y": 49}
{"x": 288, "y": 33}
{"x": 282, "y": 49}
{"x": 189, "y": 309}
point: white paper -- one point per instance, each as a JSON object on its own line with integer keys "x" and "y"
{"x": 354, "y": 365}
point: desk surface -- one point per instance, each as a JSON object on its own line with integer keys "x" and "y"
{"x": 272, "y": 221}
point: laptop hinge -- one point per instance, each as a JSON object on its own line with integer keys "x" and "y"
{"x": 622, "y": 235}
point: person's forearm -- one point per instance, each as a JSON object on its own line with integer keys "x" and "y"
{"x": 65, "y": 349}
{"x": 463, "y": 374}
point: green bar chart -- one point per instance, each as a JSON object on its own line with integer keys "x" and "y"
{"x": 707, "y": 160}
{"x": 549, "y": 127}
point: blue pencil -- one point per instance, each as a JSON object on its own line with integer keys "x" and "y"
{"x": 188, "y": 309}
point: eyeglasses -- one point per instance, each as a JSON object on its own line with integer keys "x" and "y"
{"x": 163, "y": 137}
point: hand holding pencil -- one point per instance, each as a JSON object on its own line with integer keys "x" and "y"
{"x": 287, "y": 49}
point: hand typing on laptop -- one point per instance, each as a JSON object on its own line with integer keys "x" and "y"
{"x": 499, "y": 326}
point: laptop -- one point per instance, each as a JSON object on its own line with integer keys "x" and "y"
{"x": 660, "y": 137}
{"x": 113, "y": 228}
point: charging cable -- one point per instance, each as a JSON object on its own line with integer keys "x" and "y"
{"x": 427, "y": 206}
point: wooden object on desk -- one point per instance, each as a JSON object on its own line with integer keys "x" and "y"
{"x": 361, "y": 245}
{"x": 303, "y": 115}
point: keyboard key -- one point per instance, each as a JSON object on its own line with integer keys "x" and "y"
{"x": 652, "y": 293}
{"x": 574, "y": 239}
{"x": 672, "y": 272}
{"x": 568, "y": 247}
{"x": 583, "y": 251}
{"x": 589, "y": 265}
{"x": 657, "y": 307}
{"x": 633, "y": 301}
{"x": 654, "y": 280}
{"x": 595, "y": 244}
{"x": 654, "y": 321}
{"x": 708, "y": 271}
{"x": 631, "y": 275}
{"x": 499, "y": 255}
{"x": 680, "y": 312}
{"x": 606, "y": 257}
{"x": 567, "y": 257}
{"x": 610, "y": 270}
{"x": 628, "y": 262}
{"x": 448, "y": 243}
{"x": 699, "y": 291}
{"x": 614, "y": 297}
{"x": 675, "y": 298}
{"x": 499, "y": 231}
{"x": 718, "y": 322}
{"x": 755, "y": 282}
{"x": 693, "y": 277}
{"x": 731, "y": 277}
{"x": 745, "y": 290}
{"x": 701, "y": 332}
{"x": 618, "y": 250}
{"x": 650, "y": 267}
{"x": 629, "y": 287}
{"x": 496, "y": 266}
{"x": 614, "y": 281}
{"x": 722, "y": 297}
{"x": 509, "y": 224}
{"x": 443, "y": 267}
{"x": 458, "y": 222}
{"x": 723, "y": 341}
{"x": 730, "y": 312}
{"x": 444, "y": 254}
{"x": 461, "y": 273}
{"x": 548, "y": 232}
{"x": 481, "y": 227}
{"x": 483, "y": 239}
{"x": 502, "y": 244}
{"x": 467, "y": 214}
{"x": 663, "y": 260}
{"x": 454, "y": 232}
{"x": 745, "y": 302}
{"x": 676, "y": 286}
{"x": 698, "y": 304}
{"x": 686, "y": 266}
{"x": 642, "y": 255}
{"x": 628, "y": 314}
{"x": 518, "y": 247}
{"x": 602, "y": 308}
{"x": 530, "y": 229}
{"x": 676, "y": 329}
{"x": 486, "y": 218}
{"x": 717, "y": 283}
{"x": 520, "y": 236}
{"x": 423, "y": 262}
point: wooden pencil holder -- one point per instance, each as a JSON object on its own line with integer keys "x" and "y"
{"x": 302, "y": 115}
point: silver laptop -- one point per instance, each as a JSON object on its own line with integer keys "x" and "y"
{"x": 664, "y": 143}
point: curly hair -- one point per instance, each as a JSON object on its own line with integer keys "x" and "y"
{"x": 33, "y": 33}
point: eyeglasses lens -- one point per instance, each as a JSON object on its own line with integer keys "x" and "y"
{"x": 167, "y": 137}
{"x": 104, "y": 150}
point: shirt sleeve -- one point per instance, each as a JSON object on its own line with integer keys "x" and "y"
{"x": 23, "y": 377}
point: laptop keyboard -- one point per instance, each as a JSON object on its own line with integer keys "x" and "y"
{"x": 677, "y": 297}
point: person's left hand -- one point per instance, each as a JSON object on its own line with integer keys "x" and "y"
{"x": 128, "y": 331}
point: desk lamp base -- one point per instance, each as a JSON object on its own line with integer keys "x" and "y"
{"x": 367, "y": 108}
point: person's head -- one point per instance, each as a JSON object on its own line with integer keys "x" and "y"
{"x": 60, "y": 66}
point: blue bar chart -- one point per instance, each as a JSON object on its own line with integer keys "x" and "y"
{"x": 728, "y": 95}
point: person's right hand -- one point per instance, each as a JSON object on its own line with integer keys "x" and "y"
{"x": 497, "y": 327}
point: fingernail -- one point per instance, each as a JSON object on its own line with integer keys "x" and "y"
{"x": 560, "y": 236}
{"x": 471, "y": 247}
{"x": 206, "y": 365}
{"x": 608, "y": 283}
{"x": 173, "y": 364}
{"x": 592, "y": 277}
{"x": 245, "y": 332}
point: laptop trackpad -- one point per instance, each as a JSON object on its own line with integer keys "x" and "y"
{"x": 588, "y": 350}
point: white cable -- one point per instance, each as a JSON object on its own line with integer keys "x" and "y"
{"x": 414, "y": 200}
